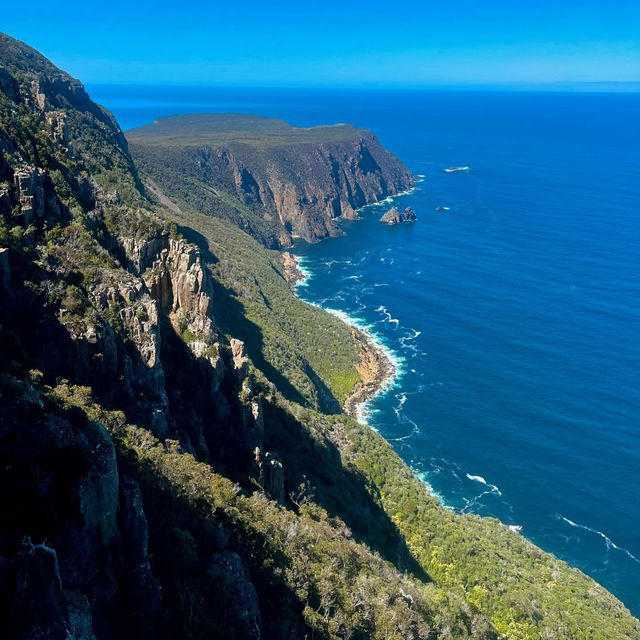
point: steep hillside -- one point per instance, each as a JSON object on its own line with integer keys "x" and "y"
{"x": 159, "y": 483}
{"x": 311, "y": 355}
{"x": 273, "y": 180}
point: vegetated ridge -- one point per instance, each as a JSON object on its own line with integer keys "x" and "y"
{"x": 157, "y": 482}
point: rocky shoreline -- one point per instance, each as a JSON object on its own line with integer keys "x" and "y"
{"x": 375, "y": 367}
{"x": 290, "y": 268}
{"x": 376, "y": 370}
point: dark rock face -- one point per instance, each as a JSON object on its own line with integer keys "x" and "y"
{"x": 143, "y": 590}
{"x": 229, "y": 567}
{"x": 139, "y": 318}
{"x": 38, "y": 609}
{"x": 393, "y": 216}
{"x": 271, "y": 474}
{"x": 62, "y": 487}
{"x": 298, "y": 185}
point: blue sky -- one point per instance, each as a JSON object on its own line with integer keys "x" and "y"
{"x": 333, "y": 43}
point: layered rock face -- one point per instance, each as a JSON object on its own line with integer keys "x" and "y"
{"x": 299, "y": 181}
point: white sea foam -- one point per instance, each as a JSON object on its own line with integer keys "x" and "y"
{"x": 516, "y": 528}
{"x": 408, "y": 343}
{"x": 364, "y": 409}
{"x": 481, "y": 480}
{"x": 610, "y": 543}
{"x": 388, "y": 316}
{"x": 423, "y": 477}
{"x": 389, "y": 199}
{"x": 306, "y": 273}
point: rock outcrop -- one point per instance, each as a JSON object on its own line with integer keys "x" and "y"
{"x": 393, "y": 216}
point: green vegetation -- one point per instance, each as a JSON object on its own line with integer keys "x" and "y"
{"x": 305, "y": 557}
{"x": 205, "y": 199}
{"x": 341, "y": 588}
{"x": 200, "y": 130}
{"x": 527, "y": 593}
{"x": 310, "y": 354}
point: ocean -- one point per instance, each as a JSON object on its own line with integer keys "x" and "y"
{"x": 513, "y": 316}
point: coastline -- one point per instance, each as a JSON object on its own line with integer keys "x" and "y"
{"x": 378, "y": 366}
{"x": 377, "y": 374}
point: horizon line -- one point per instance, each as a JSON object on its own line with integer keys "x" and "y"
{"x": 586, "y": 86}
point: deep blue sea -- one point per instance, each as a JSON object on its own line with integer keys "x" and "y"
{"x": 514, "y": 317}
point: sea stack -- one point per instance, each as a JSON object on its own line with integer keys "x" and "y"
{"x": 393, "y": 216}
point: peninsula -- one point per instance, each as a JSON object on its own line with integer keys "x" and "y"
{"x": 275, "y": 181}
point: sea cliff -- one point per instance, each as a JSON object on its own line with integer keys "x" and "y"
{"x": 276, "y": 181}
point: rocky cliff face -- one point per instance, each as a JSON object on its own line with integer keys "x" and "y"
{"x": 299, "y": 181}
{"x": 96, "y": 291}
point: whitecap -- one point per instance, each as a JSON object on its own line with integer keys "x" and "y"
{"x": 403, "y": 341}
{"x": 304, "y": 270}
{"x": 389, "y": 318}
{"x": 610, "y": 543}
{"x": 481, "y": 480}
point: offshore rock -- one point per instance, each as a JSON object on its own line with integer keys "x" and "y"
{"x": 393, "y": 216}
